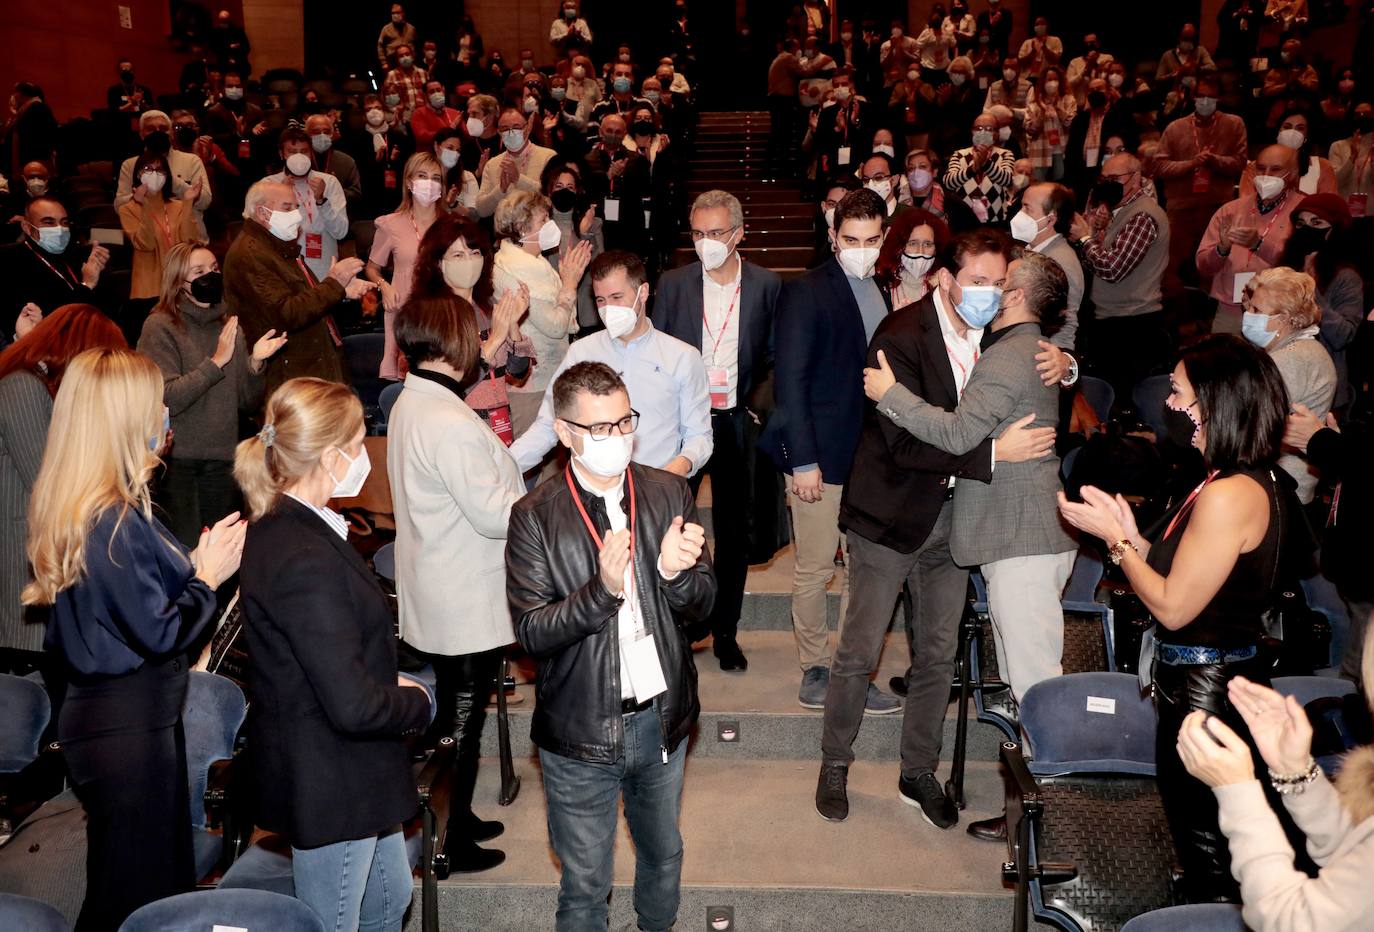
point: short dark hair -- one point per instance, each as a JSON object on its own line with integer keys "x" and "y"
{"x": 293, "y": 134}
{"x": 147, "y": 160}
{"x": 429, "y": 257}
{"x": 1045, "y": 285}
{"x": 438, "y": 327}
{"x": 977, "y": 242}
{"x": 595, "y": 378}
{"x": 844, "y": 180}
{"x": 861, "y": 204}
{"x": 1241, "y": 401}
{"x": 1060, "y": 203}
{"x": 613, "y": 259}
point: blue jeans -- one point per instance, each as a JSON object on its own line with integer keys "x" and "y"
{"x": 583, "y": 801}
{"x": 363, "y": 884}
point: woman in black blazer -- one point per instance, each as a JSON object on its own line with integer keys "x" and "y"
{"x": 329, "y": 711}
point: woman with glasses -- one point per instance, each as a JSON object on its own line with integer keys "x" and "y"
{"x": 155, "y": 222}
{"x": 910, "y": 254}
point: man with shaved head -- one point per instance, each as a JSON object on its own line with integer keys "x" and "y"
{"x": 45, "y": 269}
{"x": 619, "y": 178}
{"x": 1247, "y": 235}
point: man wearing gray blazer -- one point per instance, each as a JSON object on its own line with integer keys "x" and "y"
{"x": 1011, "y": 526}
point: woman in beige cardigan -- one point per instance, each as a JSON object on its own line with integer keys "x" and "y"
{"x": 1337, "y": 819}
{"x": 155, "y": 222}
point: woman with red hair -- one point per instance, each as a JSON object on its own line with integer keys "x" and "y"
{"x": 913, "y": 250}
{"x": 30, "y": 371}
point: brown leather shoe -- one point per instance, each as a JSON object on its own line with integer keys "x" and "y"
{"x": 994, "y": 829}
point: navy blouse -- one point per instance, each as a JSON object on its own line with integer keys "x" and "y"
{"x": 139, "y": 599}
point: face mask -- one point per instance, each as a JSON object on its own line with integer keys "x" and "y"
{"x": 407, "y": 60}
{"x": 375, "y": 117}
{"x": 392, "y": 100}
{"x": 958, "y": 78}
{"x": 619, "y": 319}
{"x": 623, "y": 57}
{"x": 1181, "y": 426}
{"x": 896, "y": 32}
{"x": 570, "y": 14}
{"x": 920, "y": 179}
{"x": 606, "y": 457}
{"x": 154, "y": 181}
{"x": 1255, "y": 328}
{"x": 1009, "y": 76}
{"x": 1024, "y": 227}
{"x": 54, "y": 239}
{"x": 185, "y": 135}
{"x": 155, "y": 441}
{"x": 1205, "y": 106}
{"x": 982, "y": 137}
{"x": 208, "y": 289}
{"x": 885, "y": 149}
{"x": 846, "y": 37}
{"x": 285, "y": 225}
{"x": 1004, "y": 133}
{"x": 462, "y": 271}
{"x": 513, "y": 139}
{"x": 564, "y": 200}
{"x": 475, "y": 126}
{"x": 652, "y": 96}
{"x": 1304, "y": 241}
{"x": 1346, "y": 87}
{"x": 234, "y": 93}
{"x": 712, "y": 253}
{"x": 1097, "y": 100}
{"x": 859, "y": 261}
{"x": 430, "y": 54}
{"x": 1019, "y": 181}
{"x": 1041, "y": 30}
{"x": 842, "y": 93}
{"x": 1051, "y": 87}
{"x": 548, "y": 235}
{"x": 1108, "y": 193}
{"x": 579, "y": 72}
{"x": 830, "y": 217}
{"x": 354, "y": 477}
{"x": 321, "y": 142}
{"x": 158, "y": 142}
{"x": 1116, "y": 80}
{"x": 36, "y": 187}
{"x": 979, "y": 305}
{"x": 559, "y": 93}
{"x": 1268, "y": 186}
{"x": 1185, "y": 46}
{"x": 917, "y": 266}
{"x": 298, "y": 164}
{"x": 1291, "y": 138}
{"x": 642, "y": 128}
{"x": 1285, "y": 57}
{"x": 621, "y": 85}
{"x": 984, "y": 40}
{"x": 530, "y": 105}
{"x": 882, "y": 188}
{"x": 398, "y": 18}
{"x": 448, "y": 158}
{"x": 912, "y": 75}
{"x": 437, "y": 100}
{"x": 425, "y": 190}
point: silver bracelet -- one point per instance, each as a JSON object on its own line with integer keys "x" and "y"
{"x": 1294, "y": 784}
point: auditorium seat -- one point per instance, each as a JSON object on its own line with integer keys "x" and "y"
{"x": 1199, "y": 917}
{"x": 27, "y": 776}
{"x": 387, "y": 401}
{"x": 30, "y": 915}
{"x": 1148, "y": 397}
{"x": 214, "y": 711}
{"x": 246, "y": 910}
{"x": 1100, "y": 395}
{"x": 1088, "y": 844}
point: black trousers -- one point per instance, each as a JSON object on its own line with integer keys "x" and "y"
{"x": 194, "y": 494}
{"x": 1188, "y": 802}
{"x": 732, "y": 508}
{"x": 463, "y": 686}
{"x": 782, "y": 117}
{"x": 124, "y": 746}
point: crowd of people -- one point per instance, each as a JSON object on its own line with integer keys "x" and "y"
{"x": 182, "y": 411}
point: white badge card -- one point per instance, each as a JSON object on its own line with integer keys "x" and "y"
{"x": 611, "y": 206}
{"x": 640, "y": 659}
{"x": 842, "y": 156}
{"x": 718, "y": 380}
{"x": 1242, "y": 279}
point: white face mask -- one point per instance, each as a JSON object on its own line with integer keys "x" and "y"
{"x": 298, "y": 164}
{"x": 425, "y": 190}
{"x": 285, "y": 225}
{"x": 461, "y": 271}
{"x": 514, "y": 139}
{"x": 354, "y": 477}
{"x": 1004, "y": 133}
{"x": 830, "y": 217}
{"x": 548, "y": 235}
{"x": 154, "y": 181}
{"x": 1024, "y": 227}
{"x": 885, "y": 149}
{"x": 882, "y": 187}
{"x": 1291, "y": 138}
{"x": 234, "y": 93}
{"x": 958, "y": 78}
{"x": 448, "y": 158}
{"x": 606, "y": 457}
{"x": 579, "y": 72}
{"x": 859, "y": 261}
{"x": 1268, "y": 186}
{"x": 917, "y": 266}
{"x": 1051, "y": 87}
{"x": 475, "y": 126}
{"x": 842, "y": 93}
{"x": 1019, "y": 181}
{"x": 619, "y": 319}
{"x": 712, "y": 253}
{"x": 1009, "y": 76}
{"x": 982, "y": 137}
{"x": 375, "y": 117}
{"x": 1116, "y": 79}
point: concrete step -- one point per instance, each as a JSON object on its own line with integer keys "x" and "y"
{"x": 765, "y": 854}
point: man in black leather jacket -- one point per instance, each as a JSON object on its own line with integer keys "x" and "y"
{"x": 605, "y": 564}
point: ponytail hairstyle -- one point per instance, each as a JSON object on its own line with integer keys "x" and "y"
{"x": 106, "y": 420}
{"x": 304, "y": 418}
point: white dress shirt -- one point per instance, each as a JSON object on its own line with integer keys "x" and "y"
{"x": 720, "y": 347}
{"x": 337, "y": 522}
{"x": 963, "y": 355}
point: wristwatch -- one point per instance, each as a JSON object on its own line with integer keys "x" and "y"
{"x": 1118, "y": 550}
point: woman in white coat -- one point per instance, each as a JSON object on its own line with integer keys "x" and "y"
{"x": 453, "y": 483}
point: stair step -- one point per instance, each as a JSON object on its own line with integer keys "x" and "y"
{"x": 765, "y": 853}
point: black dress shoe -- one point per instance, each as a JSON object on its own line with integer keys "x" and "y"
{"x": 465, "y": 857}
{"x": 832, "y": 792}
{"x": 990, "y": 829}
{"x": 482, "y": 830}
{"x": 897, "y": 686}
{"x": 730, "y": 656}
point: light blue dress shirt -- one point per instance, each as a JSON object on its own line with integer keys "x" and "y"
{"x": 667, "y": 383}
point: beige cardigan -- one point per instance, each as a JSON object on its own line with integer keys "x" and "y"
{"x": 1340, "y": 838}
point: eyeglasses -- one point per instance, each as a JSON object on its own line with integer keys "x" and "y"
{"x": 699, "y": 235}
{"x": 603, "y": 429}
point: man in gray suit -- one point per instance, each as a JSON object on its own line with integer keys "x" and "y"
{"x": 1010, "y": 527}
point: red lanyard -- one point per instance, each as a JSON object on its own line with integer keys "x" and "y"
{"x": 720, "y": 334}
{"x": 1188, "y": 503}
{"x": 591, "y": 528}
{"x": 963, "y": 372}
{"x": 63, "y": 273}
{"x": 1197, "y": 141}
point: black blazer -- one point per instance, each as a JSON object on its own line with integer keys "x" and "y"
{"x": 1077, "y": 175}
{"x": 30, "y": 274}
{"x": 327, "y": 718}
{"x": 818, "y": 375}
{"x": 897, "y": 487}
{"x": 678, "y": 307}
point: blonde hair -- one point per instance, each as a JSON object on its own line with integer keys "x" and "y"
{"x": 1294, "y": 295}
{"x": 417, "y": 161}
{"x": 515, "y": 211}
{"x": 174, "y": 276}
{"x": 97, "y": 457}
{"x": 304, "y": 418}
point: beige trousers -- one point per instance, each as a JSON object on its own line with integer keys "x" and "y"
{"x": 816, "y": 534}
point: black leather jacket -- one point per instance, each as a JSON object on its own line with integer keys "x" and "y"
{"x": 566, "y": 619}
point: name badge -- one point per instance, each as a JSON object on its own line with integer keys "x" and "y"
{"x": 1359, "y": 204}
{"x": 611, "y": 208}
{"x": 1090, "y": 157}
{"x": 314, "y": 246}
{"x": 1053, "y": 137}
{"x": 842, "y": 156}
{"x": 499, "y": 420}
{"x": 640, "y": 660}
{"x": 983, "y": 83}
{"x": 719, "y": 382}
{"x": 389, "y": 178}
{"x": 1238, "y": 292}
{"x": 245, "y": 148}
{"x": 1202, "y": 181}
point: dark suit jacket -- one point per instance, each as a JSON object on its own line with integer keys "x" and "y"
{"x": 629, "y": 189}
{"x": 857, "y": 135}
{"x": 327, "y": 718}
{"x": 678, "y": 308}
{"x": 820, "y": 349}
{"x": 27, "y": 272}
{"x": 1077, "y": 175}
{"x": 897, "y": 487}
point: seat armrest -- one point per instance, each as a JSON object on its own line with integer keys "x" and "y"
{"x": 440, "y": 761}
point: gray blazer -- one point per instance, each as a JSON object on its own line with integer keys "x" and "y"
{"x": 25, "y": 410}
{"x": 1015, "y": 515}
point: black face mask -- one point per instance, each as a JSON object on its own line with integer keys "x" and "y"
{"x": 186, "y": 136}
{"x": 1179, "y": 427}
{"x": 1097, "y": 100}
{"x": 208, "y": 289}
{"x": 1108, "y": 193}
{"x": 158, "y": 143}
{"x": 642, "y": 128}
{"x": 127, "y": 76}
{"x": 564, "y": 200}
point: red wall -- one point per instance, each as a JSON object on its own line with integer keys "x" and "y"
{"x": 71, "y": 47}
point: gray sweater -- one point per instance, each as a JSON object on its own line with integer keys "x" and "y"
{"x": 204, "y": 400}
{"x": 1309, "y": 375}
